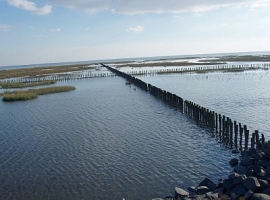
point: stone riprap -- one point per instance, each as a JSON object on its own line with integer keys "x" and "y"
{"x": 249, "y": 181}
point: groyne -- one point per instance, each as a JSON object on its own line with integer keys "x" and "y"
{"x": 228, "y": 132}
{"x": 93, "y": 74}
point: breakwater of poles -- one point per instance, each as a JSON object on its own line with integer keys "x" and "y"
{"x": 164, "y": 70}
{"x": 201, "y": 69}
{"x": 229, "y": 132}
{"x": 57, "y": 77}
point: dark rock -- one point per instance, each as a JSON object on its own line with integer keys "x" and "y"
{"x": 192, "y": 189}
{"x": 235, "y": 151}
{"x": 179, "y": 193}
{"x": 234, "y": 161}
{"x": 252, "y": 151}
{"x": 258, "y": 170}
{"x": 219, "y": 185}
{"x": 202, "y": 190}
{"x": 266, "y": 191}
{"x": 236, "y": 192}
{"x": 233, "y": 175}
{"x": 260, "y": 196}
{"x": 250, "y": 172}
{"x": 208, "y": 183}
{"x": 251, "y": 183}
{"x": 256, "y": 156}
{"x": 219, "y": 191}
{"x": 239, "y": 180}
{"x": 228, "y": 183}
{"x": 265, "y": 177}
{"x": 248, "y": 195}
{"x": 263, "y": 183}
{"x": 169, "y": 198}
{"x": 264, "y": 163}
{"x": 268, "y": 170}
{"x": 246, "y": 161}
{"x": 240, "y": 169}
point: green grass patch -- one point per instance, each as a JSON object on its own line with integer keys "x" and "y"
{"x": 24, "y": 85}
{"x": 33, "y": 93}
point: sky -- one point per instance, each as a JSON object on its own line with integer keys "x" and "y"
{"x": 51, "y": 31}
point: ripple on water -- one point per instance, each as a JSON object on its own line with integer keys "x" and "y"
{"x": 103, "y": 140}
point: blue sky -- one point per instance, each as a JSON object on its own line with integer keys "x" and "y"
{"x": 45, "y": 31}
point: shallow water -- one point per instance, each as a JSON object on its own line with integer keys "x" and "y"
{"x": 105, "y": 140}
{"x": 242, "y": 96}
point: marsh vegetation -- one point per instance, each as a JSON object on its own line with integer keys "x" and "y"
{"x": 41, "y": 71}
{"x": 33, "y": 93}
{"x": 24, "y": 85}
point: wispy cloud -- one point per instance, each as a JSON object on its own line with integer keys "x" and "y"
{"x": 4, "y": 27}
{"x": 30, "y": 6}
{"x": 156, "y": 6}
{"x": 136, "y": 29}
{"x": 55, "y": 30}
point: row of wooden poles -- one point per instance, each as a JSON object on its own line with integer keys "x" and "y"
{"x": 195, "y": 68}
{"x": 60, "y": 77}
{"x": 230, "y": 133}
{"x": 90, "y": 74}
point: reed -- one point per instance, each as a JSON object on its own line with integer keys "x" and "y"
{"x": 24, "y": 85}
{"x": 19, "y": 96}
{"x": 50, "y": 90}
{"x": 41, "y": 71}
{"x": 33, "y": 93}
{"x": 171, "y": 64}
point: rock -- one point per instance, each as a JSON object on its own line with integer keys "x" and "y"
{"x": 268, "y": 170}
{"x": 256, "y": 156}
{"x": 208, "y": 183}
{"x": 260, "y": 196}
{"x": 219, "y": 191}
{"x": 236, "y": 192}
{"x": 202, "y": 190}
{"x": 192, "y": 189}
{"x": 239, "y": 180}
{"x": 240, "y": 169}
{"x": 251, "y": 183}
{"x": 233, "y": 175}
{"x": 258, "y": 170}
{"x": 228, "y": 183}
{"x": 252, "y": 151}
{"x": 169, "y": 198}
{"x": 212, "y": 195}
{"x": 266, "y": 191}
{"x": 179, "y": 193}
{"x": 248, "y": 195}
{"x": 235, "y": 151}
{"x": 264, "y": 163}
{"x": 234, "y": 161}
{"x": 263, "y": 183}
{"x": 246, "y": 161}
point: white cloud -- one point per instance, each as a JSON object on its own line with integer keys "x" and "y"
{"x": 55, "y": 30}
{"x": 4, "y": 27}
{"x": 156, "y": 6}
{"x": 136, "y": 29}
{"x": 30, "y": 6}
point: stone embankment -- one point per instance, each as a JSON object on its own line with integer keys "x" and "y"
{"x": 249, "y": 181}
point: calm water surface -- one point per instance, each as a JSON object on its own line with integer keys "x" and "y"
{"x": 105, "y": 140}
{"x": 242, "y": 96}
